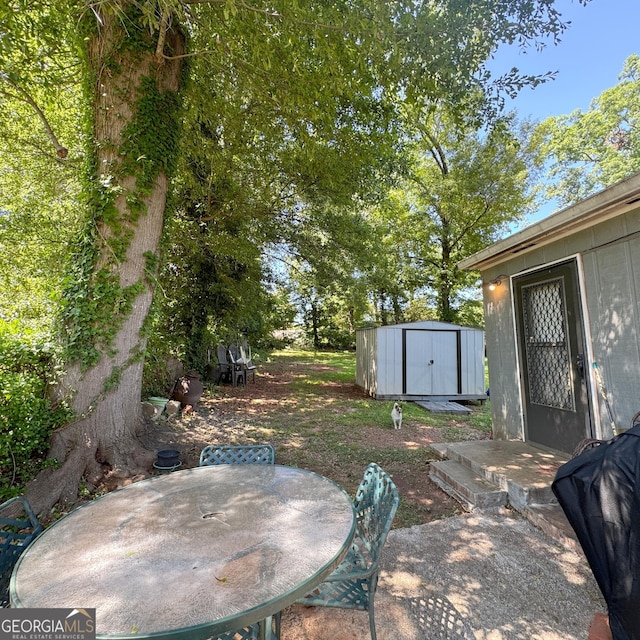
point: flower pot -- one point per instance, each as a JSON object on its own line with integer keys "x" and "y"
{"x": 168, "y": 459}
{"x": 158, "y": 404}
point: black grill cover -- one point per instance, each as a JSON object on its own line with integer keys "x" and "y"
{"x": 599, "y": 491}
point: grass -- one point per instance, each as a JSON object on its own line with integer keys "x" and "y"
{"x": 321, "y": 420}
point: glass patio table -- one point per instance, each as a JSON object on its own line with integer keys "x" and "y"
{"x": 191, "y": 554}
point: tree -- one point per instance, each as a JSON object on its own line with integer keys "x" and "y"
{"x": 465, "y": 186}
{"x": 317, "y": 62}
{"x": 594, "y": 149}
{"x": 38, "y": 175}
{"x": 133, "y": 110}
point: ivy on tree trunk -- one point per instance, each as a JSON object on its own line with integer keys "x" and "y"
{"x": 133, "y": 107}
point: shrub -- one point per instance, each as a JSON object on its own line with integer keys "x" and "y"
{"x": 27, "y": 415}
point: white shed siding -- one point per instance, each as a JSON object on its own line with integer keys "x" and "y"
{"x": 366, "y": 361}
{"x": 472, "y": 352}
{"x": 390, "y": 370}
{"x": 399, "y": 366}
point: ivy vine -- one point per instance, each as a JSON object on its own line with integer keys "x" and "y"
{"x": 96, "y": 303}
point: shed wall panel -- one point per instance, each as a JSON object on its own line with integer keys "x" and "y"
{"x": 472, "y": 365}
{"x": 366, "y": 359}
{"x": 390, "y": 358}
{"x": 380, "y": 363}
{"x": 504, "y": 385}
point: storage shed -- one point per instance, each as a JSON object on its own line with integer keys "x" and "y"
{"x": 426, "y": 360}
{"x": 563, "y": 322}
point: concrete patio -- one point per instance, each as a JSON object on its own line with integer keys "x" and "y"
{"x": 511, "y": 571}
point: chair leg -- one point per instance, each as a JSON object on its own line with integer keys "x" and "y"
{"x": 239, "y": 374}
{"x": 372, "y": 621}
{"x": 266, "y": 628}
{"x": 373, "y": 585}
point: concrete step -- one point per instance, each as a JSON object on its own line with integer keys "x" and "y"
{"x": 551, "y": 519}
{"x": 520, "y": 473}
{"x": 474, "y": 492}
{"x": 523, "y": 490}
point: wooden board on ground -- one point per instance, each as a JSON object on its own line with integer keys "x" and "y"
{"x": 443, "y": 407}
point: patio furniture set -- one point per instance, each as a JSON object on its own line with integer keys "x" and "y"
{"x": 209, "y": 552}
{"x": 235, "y": 364}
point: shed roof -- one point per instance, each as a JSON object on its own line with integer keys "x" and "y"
{"x": 425, "y": 324}
{"x": 604, "y": 205}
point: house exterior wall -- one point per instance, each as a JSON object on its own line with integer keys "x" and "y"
{"x": 612, "y": 281}
{"x": 608, "y": 256}
{"x": 506, "y": 404}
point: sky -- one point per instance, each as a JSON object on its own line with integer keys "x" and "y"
{"x": 588, "y": 60}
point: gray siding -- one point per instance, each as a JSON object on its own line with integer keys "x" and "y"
{"x": 610, "y": 254}
{"x": 612, "y": 281}
{"x": 506, "y": 406}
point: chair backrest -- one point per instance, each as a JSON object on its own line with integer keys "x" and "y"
{"x": 221, "y": 353}
{"x": 238, "y": 454}
{"x": 18, "y": 527}
{"x": 376, "y": 502}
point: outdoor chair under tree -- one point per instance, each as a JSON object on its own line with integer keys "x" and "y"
{"x": 250, "y": 368}
{"x": 238, "y": 370}
{"x": 224, "y": 366}
{"x": 238, "y": 454}
{"x": 353, "y": 584}
{"x": 18, "y": 527}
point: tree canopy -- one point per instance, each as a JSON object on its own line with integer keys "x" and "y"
{"x": 245, "y": 119}
{"x": 594, "y": 149}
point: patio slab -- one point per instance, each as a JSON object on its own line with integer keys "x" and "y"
{"x": 504, "y": 578}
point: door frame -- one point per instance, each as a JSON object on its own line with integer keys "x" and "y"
{"x": 582, "y": 313}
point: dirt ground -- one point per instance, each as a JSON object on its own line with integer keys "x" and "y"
{"x": 237, "y": 415}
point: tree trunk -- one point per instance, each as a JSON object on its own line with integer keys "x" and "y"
{"x": 122, "y": 240}
{"x": 445, "y": 312}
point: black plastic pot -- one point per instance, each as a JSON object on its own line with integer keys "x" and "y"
{"x": 168, "y": 459}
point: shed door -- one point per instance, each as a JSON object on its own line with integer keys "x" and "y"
{"x": 431, "y": 362}
{"x": 551, "y": 341}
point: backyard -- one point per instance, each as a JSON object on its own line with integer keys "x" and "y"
{"x": 308, "y": 406}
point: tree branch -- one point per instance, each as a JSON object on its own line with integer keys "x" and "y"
{"x": 23, "y": 95}
{"x": 164, "y": 22}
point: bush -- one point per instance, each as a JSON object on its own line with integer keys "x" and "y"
{"x": 27, "y": 416}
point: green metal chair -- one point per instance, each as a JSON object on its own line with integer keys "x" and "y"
{"x": 353, "y": 584}
{"x": 253, "y": 632}
{"x": 238, "y": 454}
{"x": 18, "y": 527}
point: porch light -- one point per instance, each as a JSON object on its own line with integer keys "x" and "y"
{"x": 497, "y": 282}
